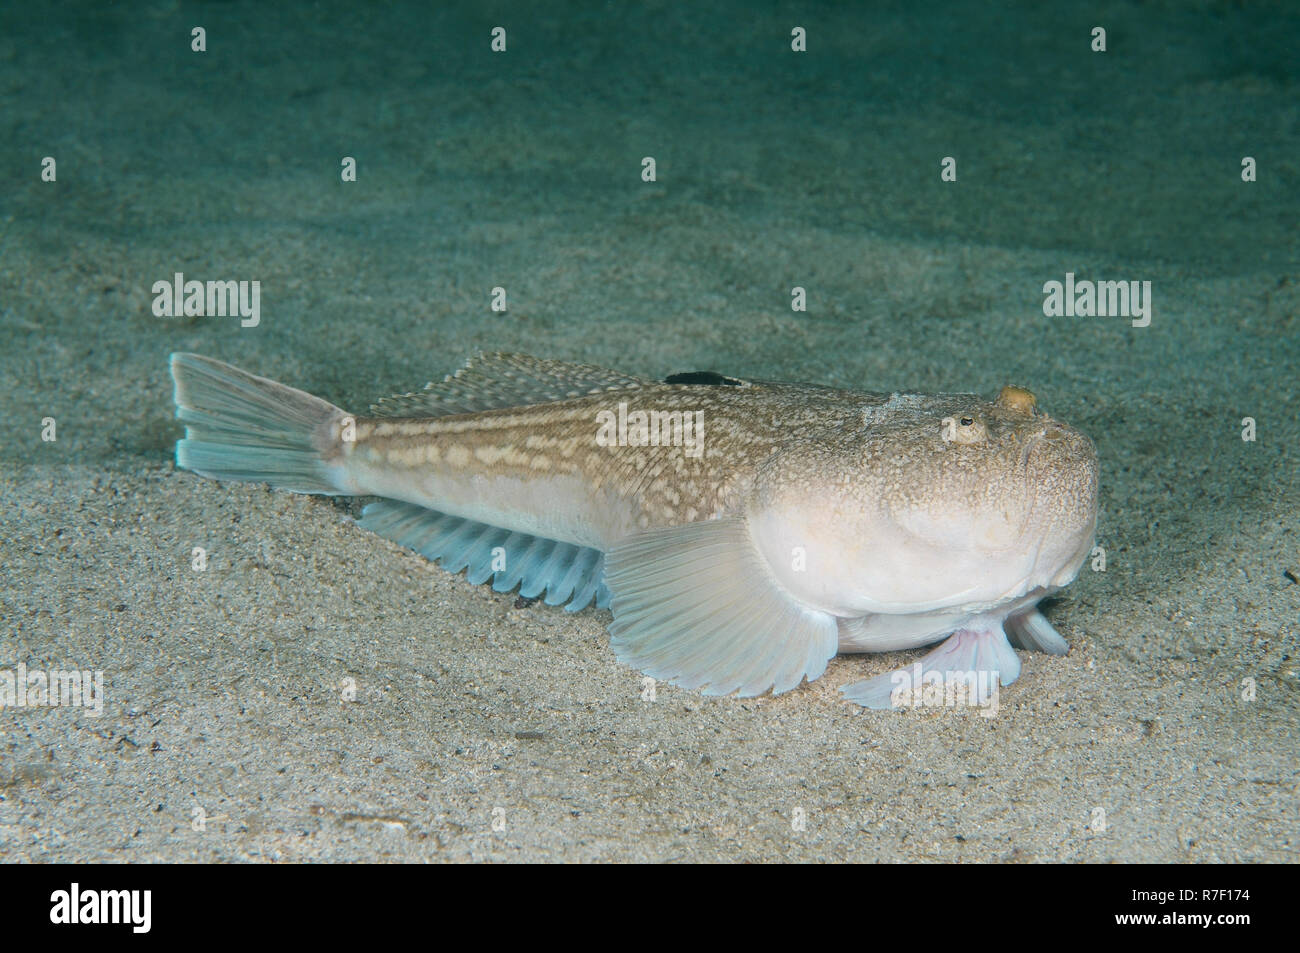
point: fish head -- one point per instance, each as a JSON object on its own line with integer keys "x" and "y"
{"x": 933, "y": 502}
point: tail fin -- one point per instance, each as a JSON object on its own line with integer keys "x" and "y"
{"x": 241, "y": 427}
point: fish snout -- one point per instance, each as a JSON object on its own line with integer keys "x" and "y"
{"x": 1062, "y": 468}
{"x": 1057, "y": 446}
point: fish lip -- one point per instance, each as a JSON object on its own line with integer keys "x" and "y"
{"x": 1031, "y": 484}
{"x": 1028, "y": 451}
{"x": 1080, "y": 453}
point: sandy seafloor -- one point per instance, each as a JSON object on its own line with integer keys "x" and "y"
{"x": 522, "y": 170}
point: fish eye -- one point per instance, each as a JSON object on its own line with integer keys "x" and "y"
{"x": 964, "y": 430}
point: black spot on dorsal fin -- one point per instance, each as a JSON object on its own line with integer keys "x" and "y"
{"x": 706, "y": 378}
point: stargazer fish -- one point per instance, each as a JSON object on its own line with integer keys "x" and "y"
{"x": 741, "y": 531}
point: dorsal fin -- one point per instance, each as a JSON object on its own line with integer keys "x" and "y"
{"x": 497, "y": 380}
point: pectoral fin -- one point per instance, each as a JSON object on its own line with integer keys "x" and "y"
{"x": 696, "y": 605}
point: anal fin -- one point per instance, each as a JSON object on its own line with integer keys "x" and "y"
{"x": 567, "y": 573}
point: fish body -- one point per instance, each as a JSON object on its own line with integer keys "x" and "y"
{"x": 742, "y": 532}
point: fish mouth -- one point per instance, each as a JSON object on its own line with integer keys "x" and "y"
{"x": 1030, "y": 445}
{"x": 1065, "y": 439}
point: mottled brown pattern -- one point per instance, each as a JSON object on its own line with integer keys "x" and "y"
{"x": 743, "y": 427}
